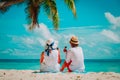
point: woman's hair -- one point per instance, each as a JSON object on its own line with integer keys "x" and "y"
{"x": 74, "y": 45}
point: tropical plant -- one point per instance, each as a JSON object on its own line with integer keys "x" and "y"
{"x": 33, "y": 8}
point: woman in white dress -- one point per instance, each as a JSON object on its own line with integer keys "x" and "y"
{"x": 50, "y": 57}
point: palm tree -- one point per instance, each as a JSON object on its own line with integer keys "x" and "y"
{"x": 33, "y": 8}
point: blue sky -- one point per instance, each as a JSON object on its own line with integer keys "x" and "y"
{"x": 97, "y": 26}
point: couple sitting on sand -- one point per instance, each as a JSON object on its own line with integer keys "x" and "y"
{"x": 50, "y": 57}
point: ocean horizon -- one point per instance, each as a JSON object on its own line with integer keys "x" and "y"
{"x": 92, "y": 65}
{"x": 33, "y": 60}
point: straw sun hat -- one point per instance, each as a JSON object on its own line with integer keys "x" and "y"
{"x": 74, "y": 40}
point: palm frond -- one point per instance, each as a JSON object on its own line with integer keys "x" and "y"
{"x": 5, "y": 4}
{"x": 71, "y": 5}
{"x": 47, "y": 9}
{"x": 32, "y": 10}
{"x": 51, "y": 10}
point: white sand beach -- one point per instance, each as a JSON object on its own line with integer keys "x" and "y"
{"x": 35, "y": 75}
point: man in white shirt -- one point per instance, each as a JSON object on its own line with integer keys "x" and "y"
{"x": 74, "y": 57}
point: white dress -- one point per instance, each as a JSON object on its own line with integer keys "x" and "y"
{"x": 50, "y": 63}
{"x": 77, "y": 58}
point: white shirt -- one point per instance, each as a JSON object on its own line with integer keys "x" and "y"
{"x": 76, "y": 56}
{"x": 50, "y": 63}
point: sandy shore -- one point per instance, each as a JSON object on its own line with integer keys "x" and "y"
{"x": 35, "y": 75}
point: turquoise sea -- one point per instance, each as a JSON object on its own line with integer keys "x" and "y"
{"x": 92, "y": 65}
